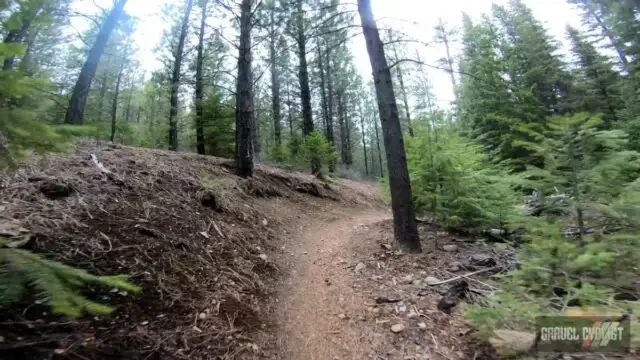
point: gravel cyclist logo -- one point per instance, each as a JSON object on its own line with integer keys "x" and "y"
{"x": 583, "y": 334}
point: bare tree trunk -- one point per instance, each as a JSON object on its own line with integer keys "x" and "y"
{"x": 403, "y": 90}
{"x": 330, "y": 135}
{"x": 175, "y": 80}
{"x": 289, "y": 110}
{"x": 347, "y": 134}
{"x": 103, "y": 89}
{"x": 199, "y": 82}
{"x": 275, "y": 81}
{"x": 305, "y": 91}
{"x": 244, "y": 95}
{"x": 127, "y": 116}
{"x": 405, "y": 101}
{"x": 255, "y": 129}
{"x": 323, "y": 91}
{"x": 442, "y": 35}
{"x": 375, "y": 125}
{"x": 114, "y": 104}
{"x": 607, "y": 32}
{"x": 78, "y": 101}
{"x": 404, "y": 221}
{"x": 18, "y": 35}
{"x": 364, "y": 146}
{"x": 343, "y": 129}
{"x": 26, "y": 66}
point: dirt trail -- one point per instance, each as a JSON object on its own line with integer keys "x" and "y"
{"x": 319, "y": 307}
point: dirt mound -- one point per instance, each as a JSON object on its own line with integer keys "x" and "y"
{"x": 195, "y": 237}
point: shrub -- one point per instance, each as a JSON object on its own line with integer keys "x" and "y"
{"x": 453, "y": 180}
{"x": 316, "y": 149}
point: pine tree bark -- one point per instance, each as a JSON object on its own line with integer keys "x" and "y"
{"x": 449, "y": 59}
{"x": 114, "y": 104}
{"x": 405, "y": 101}
{"x": 244, "y": 96}
{"x": 103, "y": 90}
{"x": 175, "y": 80}
{"x": 255, "y": 129}
{"x": 275, "y": 81}
{"x": 200, "y": 82}
{"x": 290, "y": 111}
{"x": 375, "y": 125}
{"x": 330, "y": 134}
{"x": 303, "y": 75}
{"x": 404, "y": 221}
{"x": 609, "y": 34}
{"x": 364, "y": 146}
{"x": 323, "y": 91}
{"x": 78, "y": 100}
{"x": 18, "y": 35}
{"x": 344, "y": 157}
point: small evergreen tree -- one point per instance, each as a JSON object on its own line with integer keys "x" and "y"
{"x": 585, "y": 258}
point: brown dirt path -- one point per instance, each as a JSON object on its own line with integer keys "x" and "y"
{"x": 319, "y": 307}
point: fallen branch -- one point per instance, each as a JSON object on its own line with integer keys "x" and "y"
{"x": 111, "y": 175}
{"x": 475, "y": 280}
{"x": 466, "y": 276}
{"x": 99, "y": 165}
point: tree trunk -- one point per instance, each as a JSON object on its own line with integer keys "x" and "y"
{"x": 404, "y": 221}
{"x": 255, "y": 129}
{"x": 275, "y": 83}
{"x": 330, "y": 135}
{"x": 347, "y": 135}
{"x": 26, "y": 65}
{"x": 323, "y": 92}
{"x": 405, "y": 101}
{"x": 343, "y": 131}
{"x": 441, "y": 34}
{"x": 244, "y": 96}
{"x": 114, "y": 104}
{"x": 127, "y": 116}
{"x": 18, "y": 35}
{"x": 305, "y": 91}
{"x": 200, "y": 83}
{"x": 364, "y": 146}
{"x": 175, "y": 80}
{"x": 78, "y": 101}
{"x": 103, "y": 90}
{"x": 607, "y": 32}
{"x": 289, "y": 110}
{"x": 375, "y": 125}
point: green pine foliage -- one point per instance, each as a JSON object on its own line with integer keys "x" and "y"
{"x": 219, "y": 134}
{"x": 454, "y": 181}
{"x": 318, "y": 150}
{"x": 21, "y": 130}
{"x": 589, "y": 255}
{"x": 56, "y": 284}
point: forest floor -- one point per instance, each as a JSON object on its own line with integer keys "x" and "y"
{"x": 277, "y": 266}
{"x": 349, "y": 295}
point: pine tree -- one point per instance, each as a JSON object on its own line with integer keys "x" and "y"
{"x": 78, "y": 100}
{"x": 597, "y": 77}
{"x": 405, "y": 227}
{"x": 244, "y": 95}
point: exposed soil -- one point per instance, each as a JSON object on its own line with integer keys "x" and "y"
{"x": 329, "y": 310}
{"x": 199, "y": 240}
{"x": 278, "y": 266}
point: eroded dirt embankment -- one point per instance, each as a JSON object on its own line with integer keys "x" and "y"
{"x": 204, "y": 244}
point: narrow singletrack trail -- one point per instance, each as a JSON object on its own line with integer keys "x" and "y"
{"x": 319, "y": 309}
